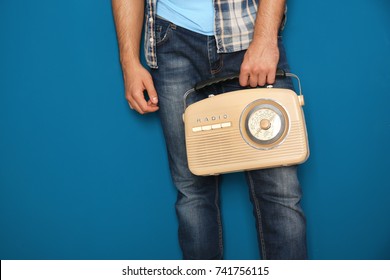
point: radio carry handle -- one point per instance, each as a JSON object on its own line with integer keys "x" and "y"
{"x": 200, "y": 85}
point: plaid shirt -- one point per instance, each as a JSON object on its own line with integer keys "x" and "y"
{"x": 234, "y": 22}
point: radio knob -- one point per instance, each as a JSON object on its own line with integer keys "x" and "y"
{"x": 265, "y": 124}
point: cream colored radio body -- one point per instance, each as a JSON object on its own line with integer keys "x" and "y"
{"x": 245, "y": 130}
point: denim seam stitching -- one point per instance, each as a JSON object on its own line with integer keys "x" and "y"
{"x": 218, "y": 217}
{"x": 166, "y": 36}
{"x": 215, "y": 71}
{"x": 218, "y": 69}
{"x": 259, "y": 217}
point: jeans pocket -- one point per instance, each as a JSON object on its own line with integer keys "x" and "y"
{"x": 163, "y": 30}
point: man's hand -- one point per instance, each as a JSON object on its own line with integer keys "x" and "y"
{"x": 259, "y": 65}
{"x": 129, "y": 17}
{"x": 262, "y": 56}
{"x": 138, "y": 80}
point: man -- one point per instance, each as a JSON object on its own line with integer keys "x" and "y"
{"x": 190, "y": 41}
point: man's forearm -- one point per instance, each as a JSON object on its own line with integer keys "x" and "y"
{"x": 128, "y": 16}
{"x": 269, "y": 17}
{"x": 262, "y": 56}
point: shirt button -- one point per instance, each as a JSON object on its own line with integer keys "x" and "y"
{"x": 151, "y": 40}
{"x": 150, "y": 19}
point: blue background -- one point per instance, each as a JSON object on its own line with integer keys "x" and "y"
{"x": 83, "y": 177}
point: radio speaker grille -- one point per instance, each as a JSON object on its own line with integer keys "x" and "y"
{"x": 220, "y": 148}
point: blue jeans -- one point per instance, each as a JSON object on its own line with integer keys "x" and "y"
{"x": 185, "y": 58}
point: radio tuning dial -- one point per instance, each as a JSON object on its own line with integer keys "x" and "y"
{"x": 264, "y": 124}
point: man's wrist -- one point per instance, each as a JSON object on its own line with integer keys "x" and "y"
{"x": 129, "y": 61}
{"x": 270, "y": 41}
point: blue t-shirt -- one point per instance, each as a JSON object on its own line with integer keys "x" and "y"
{"x": 195, "y": 15}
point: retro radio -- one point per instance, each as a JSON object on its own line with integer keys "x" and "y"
{"x": 245, "y": 129}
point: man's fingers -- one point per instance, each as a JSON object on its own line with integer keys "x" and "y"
{"x": 151, "y": 91}
{"x": 258, "y": 78}
{"x": 244, "y": 79}
{"x": 254, "y": 80}
{"x": 138, "y": 103}
{"x": 141, "y": 105}
{"x": 271, "y": 76}
{"x": 134, "y": 106}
